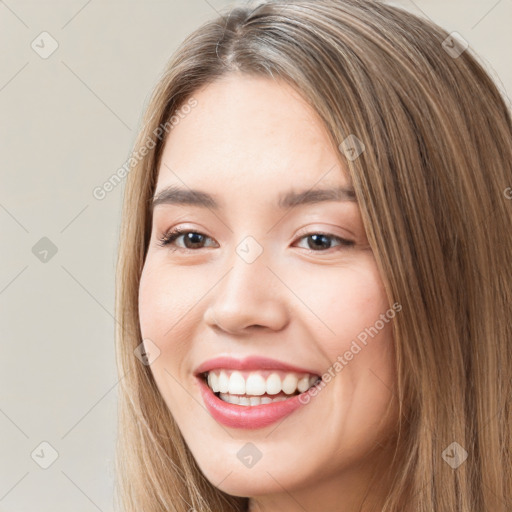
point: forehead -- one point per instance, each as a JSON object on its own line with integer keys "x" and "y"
{"x": 250, "y": 132}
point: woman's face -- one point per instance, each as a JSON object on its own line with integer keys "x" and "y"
{"x": 276, "y": 270}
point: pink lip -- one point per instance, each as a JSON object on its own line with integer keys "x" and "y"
{"x": 249, "y": 363}
{"x": 249, "y": 417}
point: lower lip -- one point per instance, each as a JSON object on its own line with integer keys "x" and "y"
{"x": 245, "y": 416}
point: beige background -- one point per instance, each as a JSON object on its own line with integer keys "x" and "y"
{"x": 68, "y": 123}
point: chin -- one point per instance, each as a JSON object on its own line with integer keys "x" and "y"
{"x": 248, "y": 485}
{"x": 261, "y": 479}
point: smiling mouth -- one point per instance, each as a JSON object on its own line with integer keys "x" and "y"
{"x": 257, "y": 387}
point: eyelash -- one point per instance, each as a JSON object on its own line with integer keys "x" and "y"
{"x": 170, "y": 236}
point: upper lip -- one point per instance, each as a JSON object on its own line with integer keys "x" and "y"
{"x": 249, "y": 363}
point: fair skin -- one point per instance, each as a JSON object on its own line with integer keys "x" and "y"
{"x": 248, "y": 141}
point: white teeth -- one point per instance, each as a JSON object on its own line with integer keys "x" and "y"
{"x": 223, "y": 382}
{"x": 243, "y": 400}
{"x": 273, "y": 384}
{"x": 253, "y": 400}
{"x": 213, "y": 382}
{"x": 255, "y": 384}
{"x": 236, "y": 384}
{"x": 303, "y": 384}
{"x": 290, "y": 384}
{"x": 232, "y": 399}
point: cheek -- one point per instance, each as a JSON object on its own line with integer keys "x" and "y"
{"x": 166, "y": 300}
{"x": 166, "y": 297}
{"x": 168, "y": 317}
{"x": 349, "y": 302}
{"x": 359, "y": 345}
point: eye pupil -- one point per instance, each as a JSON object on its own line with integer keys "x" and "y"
{"x": 319, "y": 238}
{"x": 192, "y": 238}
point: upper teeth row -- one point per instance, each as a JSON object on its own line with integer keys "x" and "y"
{"x": 257, "y": 384}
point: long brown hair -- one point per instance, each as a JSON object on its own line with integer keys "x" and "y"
{"x": 431, "y": 185}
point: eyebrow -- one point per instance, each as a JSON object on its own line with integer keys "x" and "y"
{"x": 177, "y": 195}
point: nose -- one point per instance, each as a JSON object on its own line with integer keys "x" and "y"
{"x": 249, "y": 296}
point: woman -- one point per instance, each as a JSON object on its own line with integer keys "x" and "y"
{"x": 313, "y": 285}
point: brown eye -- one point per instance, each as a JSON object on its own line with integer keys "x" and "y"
{"x": 320, "y": 242}
{"x": 192, "y": 239}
